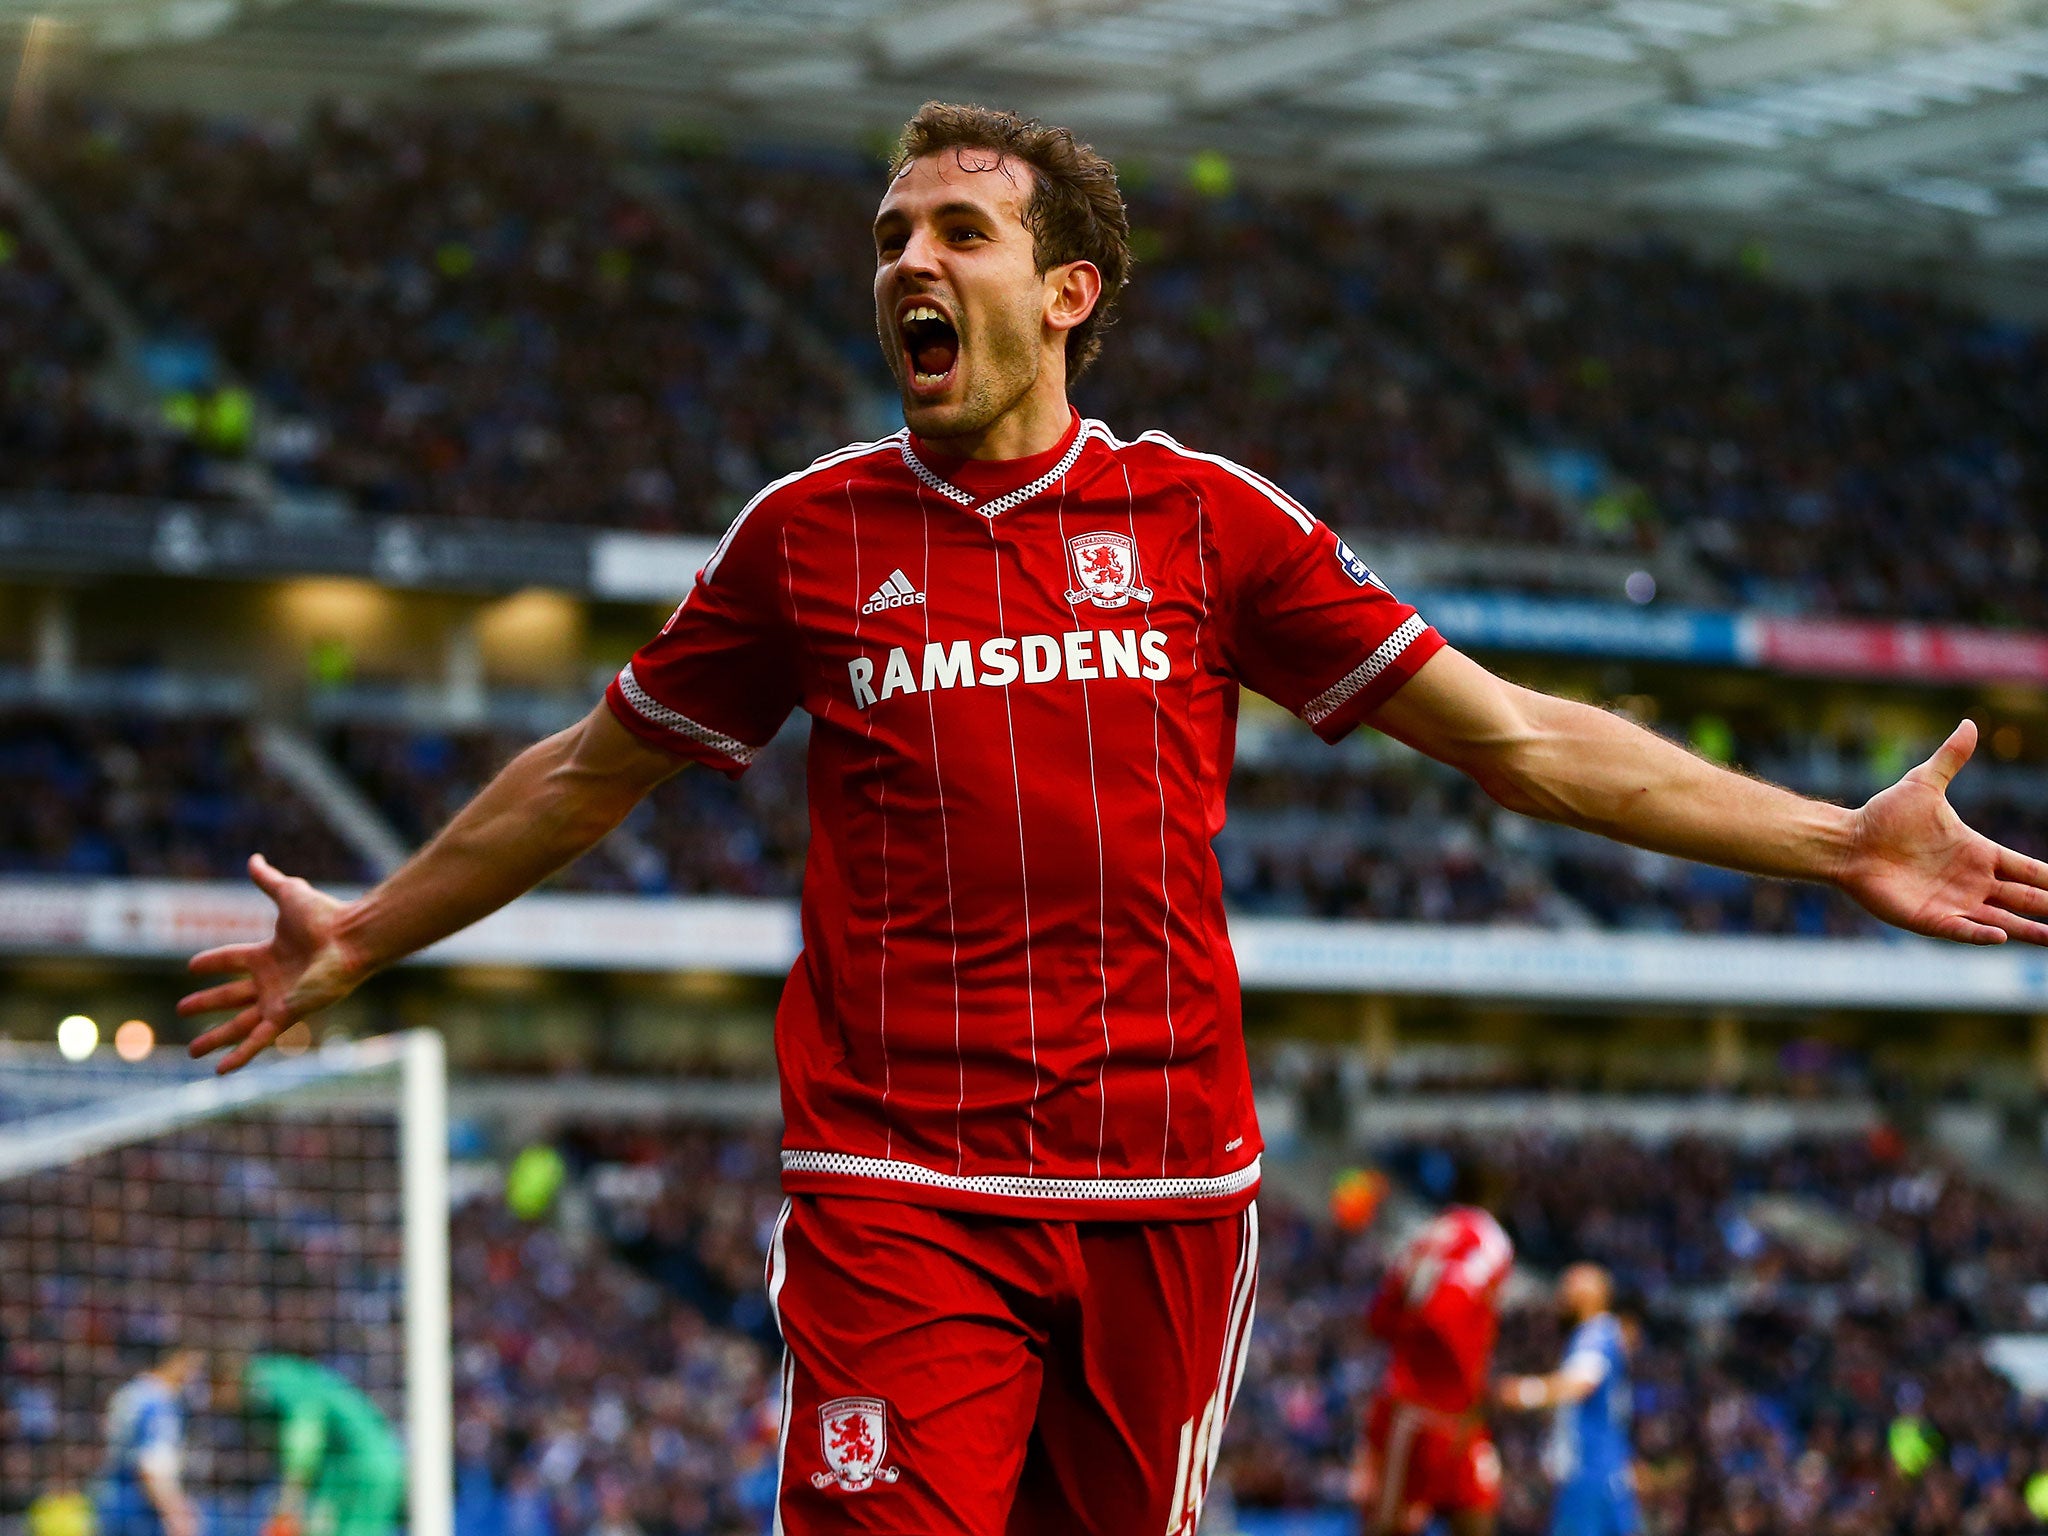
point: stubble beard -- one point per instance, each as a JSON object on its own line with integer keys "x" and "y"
{"x": 1008, "y": 371}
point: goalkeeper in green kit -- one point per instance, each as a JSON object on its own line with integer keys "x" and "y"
{"x": 342, "y": 1466}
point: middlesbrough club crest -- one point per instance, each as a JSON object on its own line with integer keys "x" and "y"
{"x": 854, "y": 1432}
{"x": 1105, "y": 570}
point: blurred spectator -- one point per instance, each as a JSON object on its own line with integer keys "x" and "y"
{"x": 451, "y": 313}
{"x": 152, "y": 797}
{"x": 56, "y": 433}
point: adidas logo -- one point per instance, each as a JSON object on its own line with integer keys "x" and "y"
{"x": 896, "y": 592}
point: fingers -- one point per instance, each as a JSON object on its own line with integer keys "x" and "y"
{"x": 1966, "y": 928}
{"x": 2027, "y": 900}
{"x": 234, "y": 994}
{"x": 2017, "y": 866}
{"x": 1950, "y": 756}
{"x": 258, "y": 1041}
{"x": 268, "y": 877}
{"x": 226, "y": 1034}
{"x": 2012, "y": 925}
{"x": 226, "y": 957}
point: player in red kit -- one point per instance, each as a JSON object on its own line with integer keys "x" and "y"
{"x": 1425, "y": 1450}
{"x": 1017, "y": 1267}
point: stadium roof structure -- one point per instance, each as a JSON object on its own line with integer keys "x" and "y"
{"x": 1896, "y": 129}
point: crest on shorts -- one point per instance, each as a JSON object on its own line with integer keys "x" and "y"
{"x": 854, "y": 1434}
{"x": 1106, "y": 570}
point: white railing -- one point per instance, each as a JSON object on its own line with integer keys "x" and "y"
{"x": 164, "y": 920}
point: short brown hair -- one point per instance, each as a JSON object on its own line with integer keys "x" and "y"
{"x": 1075, "y": 213}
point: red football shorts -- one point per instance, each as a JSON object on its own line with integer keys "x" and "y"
{"x": 1420, "y": 1463}
{"x": 959, "y": 1375}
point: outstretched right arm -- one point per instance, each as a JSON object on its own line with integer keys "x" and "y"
{"x": 551, "y": 803}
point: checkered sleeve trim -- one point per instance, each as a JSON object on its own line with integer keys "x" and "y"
{"x": 1361, "y": 677}
{"x": 654, "y": 712}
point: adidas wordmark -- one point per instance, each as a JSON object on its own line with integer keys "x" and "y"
{"x": 896, "y": 592}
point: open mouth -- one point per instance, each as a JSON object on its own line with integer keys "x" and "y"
{"x": 931, "y": 344}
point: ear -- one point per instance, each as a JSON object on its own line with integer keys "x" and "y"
{"x": 1071, "y": 292}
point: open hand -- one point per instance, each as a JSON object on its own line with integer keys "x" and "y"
{"x": 301, "y": 968}
{"x": 1915, "y": 864}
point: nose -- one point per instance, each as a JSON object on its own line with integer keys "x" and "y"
{"x": 920, "y": 253}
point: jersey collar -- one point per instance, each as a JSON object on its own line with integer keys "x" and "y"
{"x": 989, "y": 477}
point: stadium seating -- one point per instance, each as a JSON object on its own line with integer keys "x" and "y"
{"x": 454, "y": 314}
{"x": 58, "y": 434}
{"x": 482, "y": 315}
{"x": 1416, "y": 376}
{"x": 1814, "y": 1318}
{"x": 1737, "y": 1432}
{"x": 164, "y": 797}
{"x": 1729, "y": 1420}
{"x": 1364, "y": 832}
{"x": 697, "y": 834}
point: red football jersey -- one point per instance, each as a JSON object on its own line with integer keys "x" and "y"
{"x": 1016, "y": 992}
{"x": 1437, "y": 1309}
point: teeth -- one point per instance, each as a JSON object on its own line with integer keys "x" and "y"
{"x": 923, "y": 312}
{"x": 930, "y": 378}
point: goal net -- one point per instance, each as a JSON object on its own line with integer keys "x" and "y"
{"x": 225, "y": 1300}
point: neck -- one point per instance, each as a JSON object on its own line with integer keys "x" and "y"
{"x": 1034, "y": 423}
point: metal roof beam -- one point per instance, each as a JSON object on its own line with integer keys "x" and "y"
{"x": 1233, "y": 76}
{"x": 495, "y": 45}
{"x": 920, "y": 35}
{"x": 1839, "y": 38}
{"x": 2017, "y": 237}
{"x": 1975, "y": 129}
{"x": 1545, "y": 116}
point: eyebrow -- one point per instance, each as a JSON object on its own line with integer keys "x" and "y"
{"x": 943, "y": 211}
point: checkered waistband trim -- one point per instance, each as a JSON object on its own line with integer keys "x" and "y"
{"x": 1019, "y": 1187}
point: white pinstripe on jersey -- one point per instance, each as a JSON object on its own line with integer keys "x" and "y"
{"x": 946, "y": 853}
{"x": 817, "y": 466}
{"x": 1101, "y": 884}
{"x": 1252, "y": 478}
{"x": 995, "y": 549}
{"x": 1165, "y": 885}
{"x": 882, "y": 801}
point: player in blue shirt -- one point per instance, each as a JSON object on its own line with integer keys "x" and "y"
{"x": 141, "y": 1490}
{"x": 1589, "y": 1457}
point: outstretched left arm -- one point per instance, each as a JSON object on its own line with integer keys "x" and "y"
{"x": 1904, "y": 855}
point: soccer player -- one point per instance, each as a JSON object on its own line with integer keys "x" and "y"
{"x": 342, "y": 1468}
{"x": 1016, "y": 1270}
{"x": 1589, "y": 1457}
{"x": 1425, "y": 1450}
{"x": 141, "y": 1490}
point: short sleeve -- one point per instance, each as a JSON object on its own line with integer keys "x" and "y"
{"x": 1310, "y": 626}
{"x": 718, "y": 681}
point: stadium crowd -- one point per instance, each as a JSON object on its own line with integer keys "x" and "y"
{"x": 57, "y": 433}
{"x": 244, "y": 1235}
{"x": 499, "y": 314}
{"x": 1852, "y": 451}
{"x": 447, "y": 313}
{"x": 614, "y": 1353}
{"x": 1364, "y": 832}
{"x": 1777, "y": 1389}
{"x": 151, "y": 796}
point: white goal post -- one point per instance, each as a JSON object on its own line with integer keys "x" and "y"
{"x": 109, "y": 1175}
